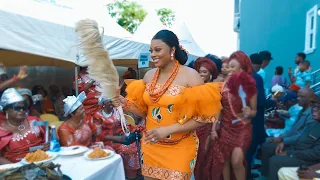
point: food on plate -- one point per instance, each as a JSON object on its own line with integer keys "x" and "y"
{"x": 37, "y": 156}
{"x": 98, "y": 153}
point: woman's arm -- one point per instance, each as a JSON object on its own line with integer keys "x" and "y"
{"x": 66, "y": 138}
{"x": 128, "y": 106}
{"x": 8, "y": 83}
{"x": 159, "y": 133}
{"x": 116, "y": 139}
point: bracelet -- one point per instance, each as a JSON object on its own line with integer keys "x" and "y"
{"x": 213, "y": 132}
{"x": 15, "y": 78}
{"x": 127, "y": 105}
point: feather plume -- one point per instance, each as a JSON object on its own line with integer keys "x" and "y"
{"x": 100, "y": 66}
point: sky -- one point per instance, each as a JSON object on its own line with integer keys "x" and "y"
{"x": 209, "y": 21}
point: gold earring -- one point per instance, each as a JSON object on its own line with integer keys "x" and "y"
{"x": 172, "y": 58}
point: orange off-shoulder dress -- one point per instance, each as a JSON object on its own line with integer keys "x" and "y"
{"x": 175, "y": 156}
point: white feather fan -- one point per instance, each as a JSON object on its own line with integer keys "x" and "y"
{"x": 100, "y": 66}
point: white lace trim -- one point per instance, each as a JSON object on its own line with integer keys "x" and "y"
{"x": 33, "y": 130}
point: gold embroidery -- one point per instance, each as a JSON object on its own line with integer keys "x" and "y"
{"x": 212, "y": 119}
{"x": 173, "y": 90}
{"x": 164, "y": 174}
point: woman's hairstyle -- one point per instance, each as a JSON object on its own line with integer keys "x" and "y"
{"x": 279, "y": 70}
{"x": 216, "y": 60}
{"x": 208, "y": 64}
{"x": 171, "y": 40}
{"x": 243, "y": 60}
{"x": 37, "y": 88}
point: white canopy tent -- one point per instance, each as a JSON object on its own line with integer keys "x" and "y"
{"x": 152, "y": 24}
{"x": 44, "y": 34}
{"x": 34, "y": 33}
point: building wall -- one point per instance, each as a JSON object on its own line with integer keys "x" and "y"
{"x": 277, "y": 26}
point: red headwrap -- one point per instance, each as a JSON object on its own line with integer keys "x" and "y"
{"x": 244, "y": 61}
{"x": 295, "y": 87}
{"x": 208, "y": 64}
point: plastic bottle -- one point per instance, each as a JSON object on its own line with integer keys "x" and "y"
{"x": 54, "y": 142}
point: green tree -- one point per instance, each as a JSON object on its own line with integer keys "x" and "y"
{"x": 167, "y": 16}
{"x": 129, "y": 14}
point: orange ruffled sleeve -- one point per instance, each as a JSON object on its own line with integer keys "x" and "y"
{"x": 135, "y": 92}
{"x": 202, "y": 103}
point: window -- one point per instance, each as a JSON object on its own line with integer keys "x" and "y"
{"x": 311, "y": 29}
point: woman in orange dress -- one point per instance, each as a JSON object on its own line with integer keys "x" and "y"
{"x": 175, "y": 102}
{"x": 74, "y": 131}
{"x": 17, "y": 132}
{"x": 226, "y": 152}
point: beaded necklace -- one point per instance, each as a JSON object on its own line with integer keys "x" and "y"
{"x": 155, "y": 96}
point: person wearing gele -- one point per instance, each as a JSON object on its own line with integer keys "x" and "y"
{"x": 226, "y": 153}
{"x": 17, "y": 132}
{"x": 175, "y": 102}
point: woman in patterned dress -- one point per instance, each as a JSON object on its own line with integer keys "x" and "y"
{"x": 175, "y": 102}
{"x": 230, "y": 143}
{"x": 17, "y": 132}
{"x": 74, "y": 131}
{"x": 208, "y": 71}
{"x": 107, "y": 128}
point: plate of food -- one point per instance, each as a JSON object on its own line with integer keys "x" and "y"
{"x": 9, "y": 166}
{"x": 98, "y": 154}
{"x": 38, "y": 157}
{"x": 72, "y": 150}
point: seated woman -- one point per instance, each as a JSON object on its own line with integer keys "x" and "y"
{"x": 27, "y": 95}
{"x": 17, "y": 132}
{"x": 107, "y": 128}
{"x": 73, "y": 131}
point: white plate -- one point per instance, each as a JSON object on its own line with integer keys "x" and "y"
{"x": 72, "y": 150}
{"x": 10, "y": 166}
{"x": 106, "y": 150}
{"x": 52, "y": 154}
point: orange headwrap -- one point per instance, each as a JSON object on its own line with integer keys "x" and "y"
{"x": 208, "y": 64}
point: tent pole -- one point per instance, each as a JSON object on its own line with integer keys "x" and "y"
{"x": 76, "y": 81}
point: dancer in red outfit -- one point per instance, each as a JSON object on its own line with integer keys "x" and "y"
{"x": 86, "y": 84}
{"x": 225, "y": 156}
{"x": 208, "y": 71}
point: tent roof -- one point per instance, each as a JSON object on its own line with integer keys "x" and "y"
{"x": 148, "y": 28}
{"x": 187, "y": 41}
{"x": 152, "y": 24}
{"x": 45, "y": 30}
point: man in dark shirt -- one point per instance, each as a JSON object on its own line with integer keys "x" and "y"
{"x": 258, "y": 129}
{"x": 285, "y": 150}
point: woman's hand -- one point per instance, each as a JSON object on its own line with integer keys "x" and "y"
{"x": 213, "y": 135}
{"x": 246, "y": 112}
{"x": 119, "y": 101}
{"x": 22, "y": 73}
{"x": 156, "y": 134}
{"x": 307, "y": 174}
